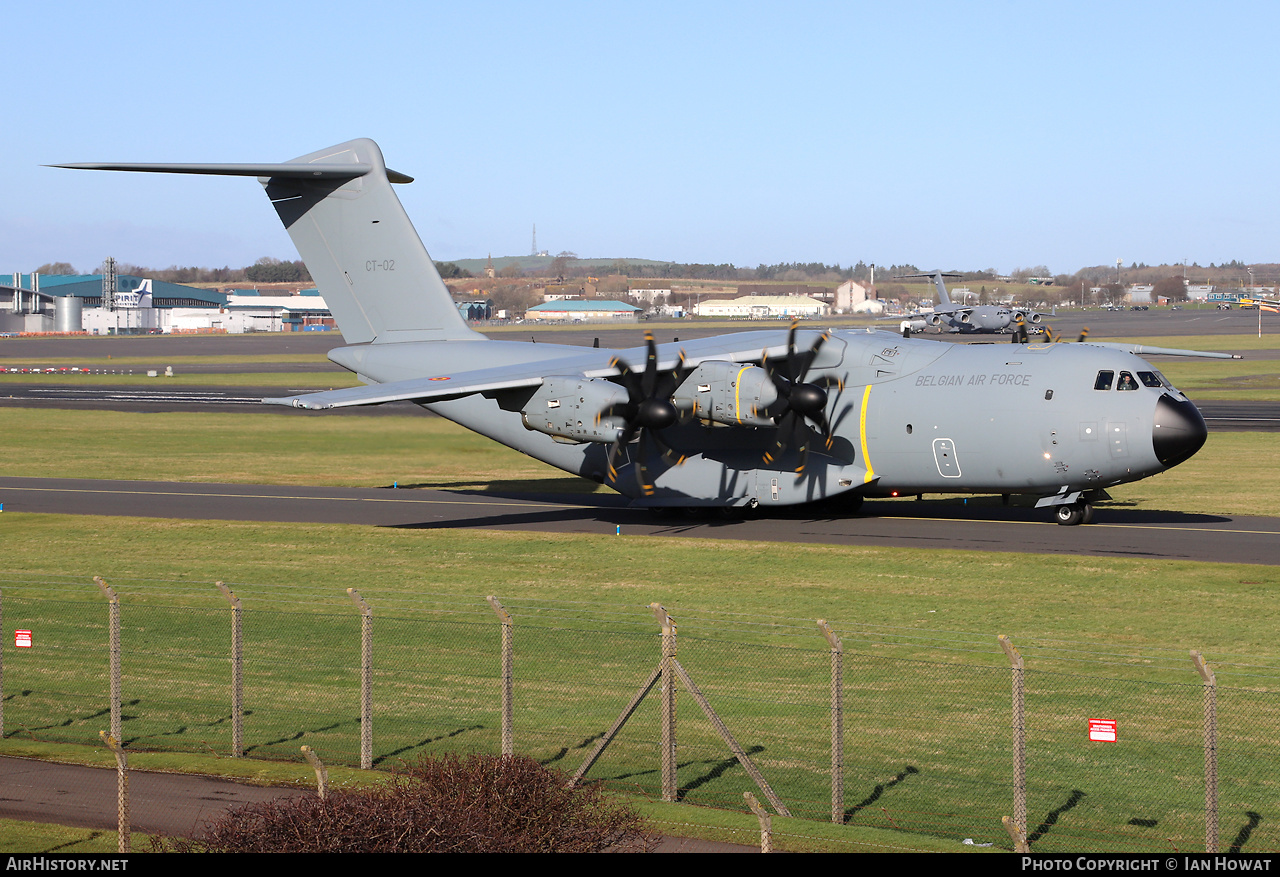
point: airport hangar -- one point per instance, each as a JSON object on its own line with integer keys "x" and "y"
{"x": 39, "y": 304}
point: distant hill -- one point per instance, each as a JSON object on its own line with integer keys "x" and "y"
{"x": 540, "y": 264}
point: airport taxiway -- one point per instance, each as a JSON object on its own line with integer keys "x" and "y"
{"x": 978, "y": 524}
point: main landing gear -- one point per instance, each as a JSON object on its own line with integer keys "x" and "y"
{"x": 1073, "y": 513}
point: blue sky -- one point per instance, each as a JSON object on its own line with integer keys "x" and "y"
{"x": 953, "y": 135}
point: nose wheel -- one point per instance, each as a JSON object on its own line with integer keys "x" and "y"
{"x": 1074, "y": 513}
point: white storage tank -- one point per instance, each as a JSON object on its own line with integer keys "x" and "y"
{"x": 68, "y": 314}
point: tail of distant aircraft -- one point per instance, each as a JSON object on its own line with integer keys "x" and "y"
{"x": 936, "y": 277}
{"x": 355, "y": 238}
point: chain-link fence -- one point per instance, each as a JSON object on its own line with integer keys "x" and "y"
{"x": 925, "y": 730}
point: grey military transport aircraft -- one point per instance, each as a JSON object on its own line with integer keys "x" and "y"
{"x": 956, "y": 317}
{"x": 765, "y": 418}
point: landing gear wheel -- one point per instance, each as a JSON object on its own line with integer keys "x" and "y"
{"x": 1087, "y": 509}
{"x": 1071, "y": 514}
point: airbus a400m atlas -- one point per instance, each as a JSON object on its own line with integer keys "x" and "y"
{"x": 765, "y": 418}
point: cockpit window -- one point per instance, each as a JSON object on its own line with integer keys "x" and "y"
{"x": 1166, "y": 382}
{"x": 1104, "y": 380}
{"x": 1127, "y": 382}
{"x": 1150, "y": 379}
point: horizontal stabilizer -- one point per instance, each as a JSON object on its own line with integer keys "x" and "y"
{"x": 928, "y": 275}
{"x": 288, "y": 170}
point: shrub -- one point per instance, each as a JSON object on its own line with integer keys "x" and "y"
{"x": 448, "y": 804}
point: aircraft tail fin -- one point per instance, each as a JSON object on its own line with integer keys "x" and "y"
{"x": 355, "y": 238}
{"x": 942, "y": 289}
{"x": 936, "y": 277}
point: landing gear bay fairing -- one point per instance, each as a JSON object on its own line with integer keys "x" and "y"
{"x": 765, "y": 418}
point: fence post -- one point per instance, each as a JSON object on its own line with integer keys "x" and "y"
{"x": 122, "y": 790}
{"x": 1210, "y": 753}
{"x": 113, "y": 647}
{"x": 322, "y": 773}
{"x": 508, "y": 736}
{"x": 237, "y": 674}
{"x": 668, "y": 626}
{"x": 766, "y": 822}
{"x": 837, "y": 723}
{"x": 366, "y": 679}
{"x": 1019, "y": 822}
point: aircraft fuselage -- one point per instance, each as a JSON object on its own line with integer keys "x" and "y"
{"x": 910, "y": 416}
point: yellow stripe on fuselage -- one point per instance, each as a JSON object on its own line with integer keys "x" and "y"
{"x": 737, "y": 394}
{"x": 862, "y": 431}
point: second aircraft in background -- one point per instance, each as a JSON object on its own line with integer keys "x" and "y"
{"x": 952, "y": 316}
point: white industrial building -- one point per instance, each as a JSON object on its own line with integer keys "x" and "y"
{"x": 762, "y": 307}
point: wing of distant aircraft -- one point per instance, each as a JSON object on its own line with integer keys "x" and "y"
{"x": 766, "y": 418}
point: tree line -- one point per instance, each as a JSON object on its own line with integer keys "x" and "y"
{"x": 265, "y": 270}
{"x": 271, "y": 270}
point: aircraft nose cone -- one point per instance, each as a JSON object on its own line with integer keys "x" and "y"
{"x": 1178, "y": 431}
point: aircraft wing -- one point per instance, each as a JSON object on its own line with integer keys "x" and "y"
{"x": 591, "y": 363}
{"x": 1147, "y": 350}
{"x": 415, "y": 390}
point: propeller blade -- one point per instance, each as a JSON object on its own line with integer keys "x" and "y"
{"x": 650, "y": 377}
{"x": 791, "y": 351}
{"x": 801, "y": 432}
{"x": 798, "y": 401}
{"x": 673, "y": 458}
{"x": 647, "y": 409}
{"x": 642, "y": 469}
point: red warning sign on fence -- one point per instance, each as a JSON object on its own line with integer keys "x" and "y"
{"x": 1102, "y": 730}
{"x": 22, "y": 639}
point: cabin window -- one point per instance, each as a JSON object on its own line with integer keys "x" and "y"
{"x": 1150, "y": 379}
{"x": 1104, "y": 380}
{"x": 1126, "y": 382}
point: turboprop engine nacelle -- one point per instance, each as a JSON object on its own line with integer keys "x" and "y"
{"x": 569, "y": 409}
{"x": 727, "y": 392}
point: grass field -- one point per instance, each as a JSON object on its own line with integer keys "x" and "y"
{"x": 927, "y": 684}
{"x": 928, "y": 756}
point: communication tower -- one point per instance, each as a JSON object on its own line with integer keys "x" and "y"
{"x": 109, "y": 284}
